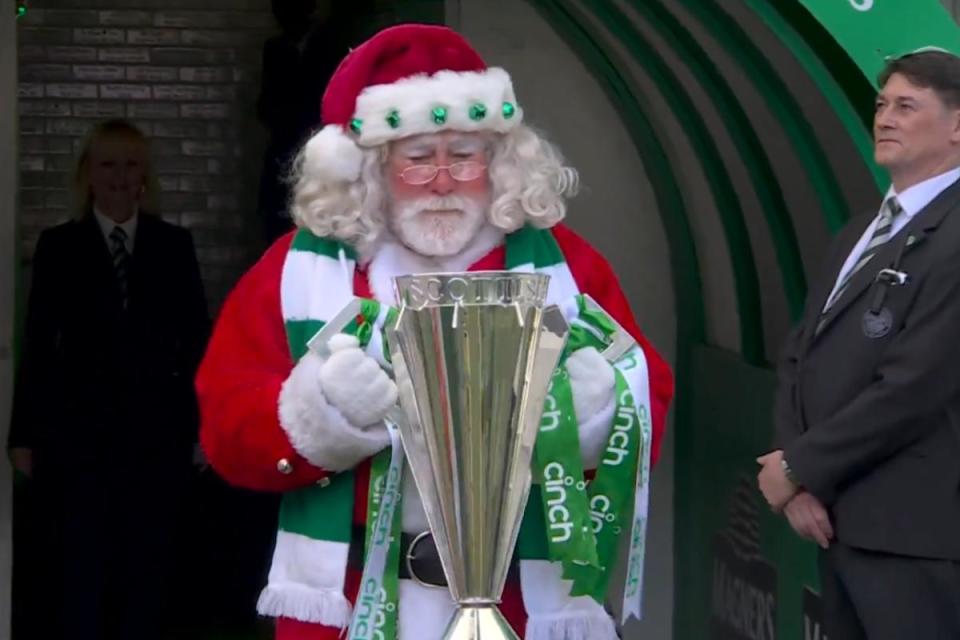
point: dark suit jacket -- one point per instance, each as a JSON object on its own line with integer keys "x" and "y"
{"x": 99, "y": 386}
{"x": 871, "y": 426}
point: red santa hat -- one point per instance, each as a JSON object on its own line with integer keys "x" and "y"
{"x": 406, "y": 80}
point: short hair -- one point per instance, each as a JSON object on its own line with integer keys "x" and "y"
{"x": 113, "y": 129}
{"x": 937, "y": 70}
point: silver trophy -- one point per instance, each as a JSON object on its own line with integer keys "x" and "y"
{"x": 473, "y": 354}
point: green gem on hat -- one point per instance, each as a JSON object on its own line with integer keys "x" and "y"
{"x": 478, "y": 112}
{"x": 393, "y": 119}
{"x": 439, "y": 115}
{"x": 356, "y": 125}
{"x": 509, "y": 110}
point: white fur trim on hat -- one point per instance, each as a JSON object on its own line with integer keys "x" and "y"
{"x": 414, "y": 99}
{"x": 331, "y": 155}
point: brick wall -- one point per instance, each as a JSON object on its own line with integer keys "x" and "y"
{"x": 187, "y": 73}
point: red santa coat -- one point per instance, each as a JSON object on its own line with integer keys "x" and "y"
{"x": 248, "y": 360}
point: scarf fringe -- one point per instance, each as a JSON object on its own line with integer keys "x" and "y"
{"x": 573, "y": 625}
{"x": 328, "y": 607}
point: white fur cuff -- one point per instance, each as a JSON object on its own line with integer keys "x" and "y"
{"x": 317, "y": 430}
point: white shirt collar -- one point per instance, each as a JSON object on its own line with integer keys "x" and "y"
{"x": 915, "y": 198}
{"x": 129, "y": 227}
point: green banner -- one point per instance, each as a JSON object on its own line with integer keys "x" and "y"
{"x": 870, "y": 31}
{"x": 755, "y": 579}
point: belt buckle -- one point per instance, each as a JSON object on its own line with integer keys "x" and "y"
{"x": 411, "y": 556}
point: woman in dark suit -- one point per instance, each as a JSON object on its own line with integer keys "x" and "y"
{"x": 104, "y": 419}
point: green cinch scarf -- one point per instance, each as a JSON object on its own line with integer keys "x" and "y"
{"x": 568, "y": 520}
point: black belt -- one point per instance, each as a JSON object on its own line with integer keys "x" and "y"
{"x": 419, "y": 558}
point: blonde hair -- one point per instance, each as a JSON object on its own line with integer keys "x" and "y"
{"x": 117, "y": 129}
{"x": 529, "y": 183}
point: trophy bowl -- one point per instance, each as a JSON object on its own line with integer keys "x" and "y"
{"x": 473, "y": 355}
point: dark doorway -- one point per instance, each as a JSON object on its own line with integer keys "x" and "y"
{"x": 189, "y": 75}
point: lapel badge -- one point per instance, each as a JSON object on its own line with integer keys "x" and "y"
{"x": 877, "y": 325}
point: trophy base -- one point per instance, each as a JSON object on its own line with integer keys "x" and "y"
{"x": 479, "y": 622}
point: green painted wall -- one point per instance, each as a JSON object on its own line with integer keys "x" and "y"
{"x": 740, "y": 573}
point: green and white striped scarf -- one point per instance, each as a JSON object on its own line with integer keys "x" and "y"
{"x": 306, "y": 580}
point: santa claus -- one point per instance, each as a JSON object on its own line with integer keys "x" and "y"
{"x": 423, "y": 165}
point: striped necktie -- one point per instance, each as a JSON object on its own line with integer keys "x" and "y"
{"x": 881, "y": 235}
{"x": 121, "y": 261}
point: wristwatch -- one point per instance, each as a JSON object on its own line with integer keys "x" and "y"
{"x": 788, "y": 472}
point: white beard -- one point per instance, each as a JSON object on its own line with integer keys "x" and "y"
{"x": 438, "y": 234}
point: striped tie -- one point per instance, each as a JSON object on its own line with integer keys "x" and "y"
{"x": 881, "y": 235}
{"x": 121, "y": 261}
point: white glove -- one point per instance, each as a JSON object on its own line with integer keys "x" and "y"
{"x": 593, "y": 386}
{"x": 592, "y": 382}
{"x": 354, "y": 383}
{"x": 319, "y": 431}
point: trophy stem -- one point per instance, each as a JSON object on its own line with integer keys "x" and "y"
{"x": 479, "y": 622}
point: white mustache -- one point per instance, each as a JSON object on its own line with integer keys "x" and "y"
{"x": 412, "y": 208}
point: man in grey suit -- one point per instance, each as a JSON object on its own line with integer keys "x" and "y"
{"x": 867, "y": 415}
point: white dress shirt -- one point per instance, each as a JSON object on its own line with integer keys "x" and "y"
{"x": 912, "y": 201}
{"x": 129, "y": 227}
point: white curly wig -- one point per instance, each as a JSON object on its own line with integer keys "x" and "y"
{"x": 528, "y": 178}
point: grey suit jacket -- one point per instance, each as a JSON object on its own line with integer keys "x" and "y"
{"x": 871, "y": 425}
